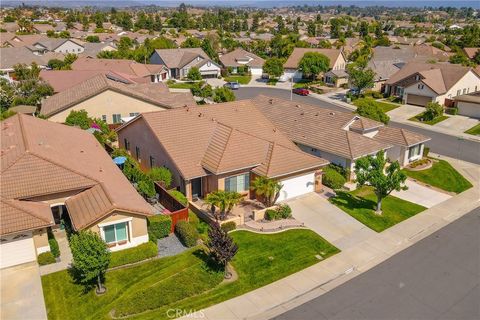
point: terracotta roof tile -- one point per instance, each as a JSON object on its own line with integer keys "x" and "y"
{"x": 400, "y": 136}
{"x": 297, "y": 55}
{"x": 23, "y": 215}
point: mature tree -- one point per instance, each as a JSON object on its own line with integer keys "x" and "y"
{"x": 223, "y": 94}
{"x": 94, "y": 39}
{"x": 202, "y": 89}
{"x": 273, "y": 67}
{"x": 28, "y": 89}
{"x": 221, "y": 246}
{"x": 433, "y": 110}
{"x": 192, "y": 42}
{"x": 79, "y": 118}
{"x": 311, "y": 29}
{"x": 194, "y": 74}
{"x": 360, "y": 77}
{"x": 370, "y": 170}
{"x": 267, "y": 189}
{"x": 368, "y": 108}
{"x": 313, "y": 63}
{"x": 90, "y": 258}
{"x": 208, "y": 46}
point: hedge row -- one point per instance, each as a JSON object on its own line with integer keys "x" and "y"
{"x": 229, "y": 226}
{"x": 281, "y": 212}
{"x": 187, "y": 233}
{"x": 333, "y": 179}
{"x": 144, "y": 251}
{"x": 159, "y": 226}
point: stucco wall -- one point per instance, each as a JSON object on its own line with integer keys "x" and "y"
{"x": 70, "y": 47}
{"x": 108, "y": 103}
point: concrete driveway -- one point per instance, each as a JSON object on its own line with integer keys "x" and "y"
{"x": 405, "y": 112}
{"x": 328, "y": 221}
{"x": 421, "y": 195}
{"x": 21, "y": 293}
{"x": 458, "y": 123}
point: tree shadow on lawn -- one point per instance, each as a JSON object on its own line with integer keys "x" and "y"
{"x": 77, "y": 277}
{"x": 351, "y": 202}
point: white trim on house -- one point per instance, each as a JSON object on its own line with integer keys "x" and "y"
{"x": 131, "y": 242}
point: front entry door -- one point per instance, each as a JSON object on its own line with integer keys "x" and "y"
{"x": 196, "y": 188}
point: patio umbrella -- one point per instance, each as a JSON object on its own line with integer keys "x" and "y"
{"x": 119, "y": 160}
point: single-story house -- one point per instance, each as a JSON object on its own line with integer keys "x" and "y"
{"x": 220, "y": 147}
{"x": 53, "y": 173}
{"x": 132, "y": 70}
{"x": 106, "y": 97}
{"x": 180, "y": 60}
{"x": 339, "y": 137}
{"x": 419, "y": 83}
{"x": 291, "y": 70}
{"x": 336, "y": 78}
{"x": 468, "y": 104}
{"x": 242, "y": 58}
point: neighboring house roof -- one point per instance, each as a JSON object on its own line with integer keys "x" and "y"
{"x": 12, "y": 56}
{"x": 384, "y": 69}
{"x": 400, "y": 137}
{"x": 51, "y": 44}
{"x": 178, "y": 58}
{"x": 337, "y": 73}
{"x": 470, "y": 52}
{"x": 154, "y": 93}
{"x": 25, "y": 40}
{"x": 121, "y": 66}
{"x": 320, "y": 128}
{"x": 439, "y": 77}
{"x": 297, "y": 55}
{"x": 40, "y": 158}
{"x": 213, "y": 139}
{"x": 41, "y": 27}
{"x": 61, "y": 80}
{"x": 471, "y": 97}
{"x": 406, "y": 53}
{"x": 19, "y": 215}
{"x": 93, "y": 49}
{"x": 241, "y": 57}
{"x": 24, "y": 109}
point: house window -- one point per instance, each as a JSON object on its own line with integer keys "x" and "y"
{"x": 414, "y": 151}
{"x": 126, "y": 144}
{"x": 115, "y": 232}
{"x": 458, "y": 92}
{"x": 152, "y": 162}
{"x": 137, "y": 153}
{"x": 117, "y": 118}
{"x": 104, "y": 117}
{"x": 417, "y": 77}
{"x": 134, "y": 114}
{"x": 420, "y": 86}
{"x": 464, "y": 90}
{"x": 238, "y": 183}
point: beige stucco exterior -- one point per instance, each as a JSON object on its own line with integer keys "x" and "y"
{"x": 107, "y": 104}
{"x": 40, "y": 240}
{"x": 139, "y": 223}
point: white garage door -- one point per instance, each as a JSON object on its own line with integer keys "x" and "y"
{"x": 256, "y": 71}
{"x": 297, "y": 186}
{"x": 17, "y": 249}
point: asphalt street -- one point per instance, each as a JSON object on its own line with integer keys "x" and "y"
{"x": 436, "y": 278}
{"x": 444, "y": 144}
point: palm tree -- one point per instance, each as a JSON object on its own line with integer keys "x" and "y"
{"x": 232, "y": 199}
{"x": 269, "y": 189}
{"x": 213, "y": 199}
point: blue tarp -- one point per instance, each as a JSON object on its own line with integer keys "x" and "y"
{"x": 119, "y": 160}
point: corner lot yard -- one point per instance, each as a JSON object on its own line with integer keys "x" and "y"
{"x": 384, "y": 106}
{"x": 186, "y": 281}
{"x": 441, "y": 175}
{"x": 240, "y": 79}
{"x": 361, "y": 204}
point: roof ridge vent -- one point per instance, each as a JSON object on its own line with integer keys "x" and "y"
{"x": 270, "y": 101}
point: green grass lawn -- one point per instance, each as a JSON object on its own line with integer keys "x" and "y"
{"x": 474, "y": 130}
{"x": 385, "y": 106}
{"x": 361, "y": 205}
{"x": 441, "y": 175}
{"x": 180, "y": 85}
{"x": 185, "y": 281}
{"x": 241, "y": 79}
{"x": 430, "y": 122}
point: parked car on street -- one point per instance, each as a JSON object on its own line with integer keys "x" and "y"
{"x": 234, "y": 85}
{"x": 301, "y": 91}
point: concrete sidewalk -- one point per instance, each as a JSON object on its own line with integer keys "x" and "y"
{"x": 358, "y": 257}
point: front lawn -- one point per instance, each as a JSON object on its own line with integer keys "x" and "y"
{"x": 185, "y": 281}
{"x": 180, "y": 85}
{"x": 240, "y": 79}
{"x": 384, "y": 106}
{"x": 474, "y": 130}
{"x": 441, "y": 175}
{"x": 361, "y": 205}
{"x": 432, "y": 122}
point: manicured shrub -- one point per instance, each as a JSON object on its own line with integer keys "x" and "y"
{"x": 159, "y": 226}
{"x": 179, "y": 196}
{"x": 161, "y": 174}
{"x": 54, "y": 249}
{"x": 368, "y": 108}
{"x": 146, "y": 188}
{"x": 426, "y": 151}
{"x": 271, "y": 214}
{"x": 192, "y": 218}
{"x": 343, "y": 171}
{"x": 284, "y": 211}
{"x": 229, "y": 226}
{"x": 452, "y": 111}
{"x": 333, "y": 179}
{"x": 434, "y": 110}
{"x": 187, "y": 233}
{"x": 141, "y": 252}
{"x": 46, "y": 258}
